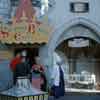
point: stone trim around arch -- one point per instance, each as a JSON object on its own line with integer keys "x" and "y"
{"x": 54, "y": 39}
{"x": 79, "y": 31}
{"x": 53, "y": 42}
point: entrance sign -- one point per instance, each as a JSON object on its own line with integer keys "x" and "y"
{"x": 79, "y": 7}
{"x": 24, "y": 33}
{"x": 78, "y": 43}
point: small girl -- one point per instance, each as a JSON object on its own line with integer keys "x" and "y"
{"x": 38, "y": 77}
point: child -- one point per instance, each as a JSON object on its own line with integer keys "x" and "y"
{"x": 38, "y": 77}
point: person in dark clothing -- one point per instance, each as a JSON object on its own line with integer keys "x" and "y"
{"x": 38, "y": 77}
{"x": 58, "y": 87}
{"x": 44, "y": 84}
{"x": 16, "y": 60}
{"x": 23, "y": 68}
{"x": 61, "y": 85}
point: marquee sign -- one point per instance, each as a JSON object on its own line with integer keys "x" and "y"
{"x": 23, "y": 32}
{"x": 25, "y": 28}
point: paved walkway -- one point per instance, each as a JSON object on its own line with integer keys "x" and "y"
{"x": 80, "y": 97}
{"x": 62, "y": 98}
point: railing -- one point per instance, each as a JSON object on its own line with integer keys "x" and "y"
{"x": 80, "y": 81}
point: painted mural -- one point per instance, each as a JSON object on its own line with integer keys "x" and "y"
{"x": 24, "y": 26}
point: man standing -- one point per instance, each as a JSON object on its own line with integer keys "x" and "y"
{"x": 15, "y": 61}
{"x": 58, "y": 86}
{"x": 23, "y": 68}
{"x": 13, "y": 64}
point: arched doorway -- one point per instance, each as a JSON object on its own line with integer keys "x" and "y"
{"x": 79, "y": 45}
{"x": 80, "y": 59}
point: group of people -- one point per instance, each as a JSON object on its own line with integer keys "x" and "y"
{"x": 21, "y": 67}
{"x": 36, "y": 73}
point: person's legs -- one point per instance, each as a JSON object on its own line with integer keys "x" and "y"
{"x": 56, "y": 92}
{"x": 14, "y": 78}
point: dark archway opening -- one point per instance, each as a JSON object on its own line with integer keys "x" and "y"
{"x": 32, "y": 50}
{"x": 82, "y": 61}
